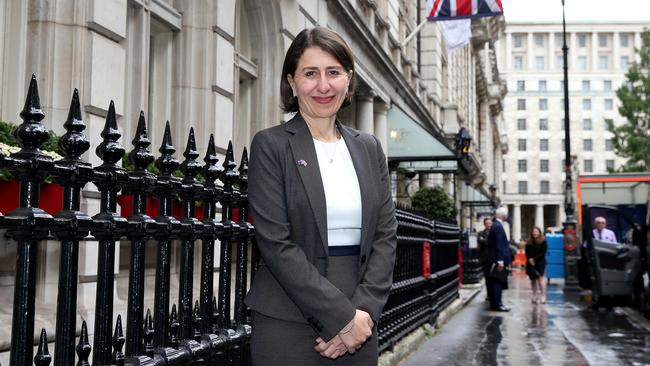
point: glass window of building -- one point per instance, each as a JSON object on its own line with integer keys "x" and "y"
{"x": 503, "y": 165}
{"x": 602, "y": 40}
{"x": 609, "y": 104}
{"x": 586, "y": 85}
{"x": 543, "y": 145}
{"x": 543, "y": 166}
{"x": 522, "y": 186}
{"x": 521, "y": 144}
{"x": 521, "y": 85}
{"x": 587, "y": 145}
{"x": 609, "y": 121}
{"x": 539, "y": 62}
{"x": 543, "y": 104}
{"x": 609, "y": 164}
{"x": 609, "y": 145}
{"x": 544, "y": 187}
{"x": 521, "y": 104}
{"x": 541, "y": 85}
{"x": 582, "y": 62}
{"x": 539, "y": 40}
{"x": 582, "y": 40}
{"x": 563, "y": 145}
{"x": 559, "y": 40}
{"x": 589, "y": 166}
{"x": 521, "y": 124}
{"x": 522, "y": 166}
{"x": 518, "y": 63}
{"x": 603, "y": 62}
{"x": 607, "y": 85}
{"x": 559, "y": 61}
{"x": 517, "y": 40}
{"x": 624, "y": 40}
{"x": 586, "y": 104}
{"x": 586, "y": 124}
{"x": 543, "y": 124}
{"x": 625, "y": 62}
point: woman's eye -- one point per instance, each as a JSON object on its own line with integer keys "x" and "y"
{"x": 310, "y": 74}
{"x": 335, "y": 72}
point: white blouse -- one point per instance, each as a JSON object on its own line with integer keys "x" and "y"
{"x": 341, "y": 193}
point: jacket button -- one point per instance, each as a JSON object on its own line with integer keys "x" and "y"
{"x": 363, "y": 259}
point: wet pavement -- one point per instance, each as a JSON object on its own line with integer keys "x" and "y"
{"x": 564, "y": 331}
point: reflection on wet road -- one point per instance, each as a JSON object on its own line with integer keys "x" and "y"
{"x": 562, "y": 332}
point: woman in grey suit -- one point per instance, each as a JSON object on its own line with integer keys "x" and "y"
{"x": 324, "y": 219}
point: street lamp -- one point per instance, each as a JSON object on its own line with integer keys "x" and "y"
{"x": 570, "y": 238}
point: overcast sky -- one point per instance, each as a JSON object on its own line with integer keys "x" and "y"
{"x": 577, "y": 10}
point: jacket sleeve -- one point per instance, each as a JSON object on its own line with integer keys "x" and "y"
{"x": 374, "y": 286}
{"x": 323, "y": 305}
{"x": 503, "y": 248}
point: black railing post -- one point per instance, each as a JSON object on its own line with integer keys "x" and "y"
{"x": 42, "y": 357}
{"x": 109, "y": 226}
{"x": 72, "y": 225}
{"x": 140, "y": 184}
{"x": 166, "y": 185}
{"x": 83, "y": 347}
{"x": 28, "y": 223}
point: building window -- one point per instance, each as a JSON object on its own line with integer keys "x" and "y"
{"x": 539, "y": 62}
{"x": 521, "y": 104}
{"x": 559, "y": 61}
{"x": 522, "y": 166}
{"x": 539, "y": 40}
{"x": 582, "y": 62}
{"x": 544, "y": 187}
{"x": 586, "y": 85}
{"x": 625, "y": 62}
{"x": 503, "y": 165}
{"x": 543, "y": 166}
{"x": 609, "y": 104}
{"x": 602, "y": 40}
{"x": 518, "y": 40}
{"x": 586, "y": 124}
{"x": 609, "y": 145}
{"x": 603, "y": 62}
{"x": 543, "y": 104}
{"x": 543, "y": 124}
{"x": 519, "y": 63}
{"x": 541, "y": 85}
{"x": 607, "y": 85}
{"x": 609, "y": 164}
{"x": 563, "y": 144}
{"x": 523, "y": 187}
{"x": 589, "y": 166}
{"x": 521, "y": 144}
{"x": 586, "y": 104}
{"x": 625, "y": 41}
{"x": 559, "y": 40}
{"x": 543, "y": 145}
{"x": 582, "y": 40}
{"x": 608, "y": 122}
{"x": 587, "y": 145}
{"x": 521, "y": 85}
{"x": 521, "y": 124}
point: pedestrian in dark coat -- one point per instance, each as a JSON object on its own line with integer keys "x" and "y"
{"x": 536, "y": 264}
{"x": 499, "y": 257}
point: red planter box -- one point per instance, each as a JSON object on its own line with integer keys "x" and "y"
{"x": 51, "y": 199}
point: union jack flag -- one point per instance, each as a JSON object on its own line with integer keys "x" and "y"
{"x": 457, "y": 9}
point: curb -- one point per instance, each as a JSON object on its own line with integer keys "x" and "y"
{"x": 409, "y": 344}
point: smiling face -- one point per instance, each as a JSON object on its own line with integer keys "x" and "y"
{"x": 320, "y": 83}
{"x": 536, "y": 233}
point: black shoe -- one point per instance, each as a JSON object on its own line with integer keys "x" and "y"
{"x": 502, "y": 308}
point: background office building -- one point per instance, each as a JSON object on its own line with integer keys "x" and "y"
{"x": 531, "y": 54}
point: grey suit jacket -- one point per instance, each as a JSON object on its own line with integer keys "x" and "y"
{"x": 287, "y": 201}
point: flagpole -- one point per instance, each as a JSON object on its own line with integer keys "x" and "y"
{"x": 416, "y": 31}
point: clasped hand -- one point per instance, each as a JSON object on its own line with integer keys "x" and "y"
{"x": 349, "y": 339}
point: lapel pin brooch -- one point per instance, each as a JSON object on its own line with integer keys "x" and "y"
{"x": 301, "y": 162}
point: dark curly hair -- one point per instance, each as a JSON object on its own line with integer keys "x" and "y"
{"x": 325, "y": 39}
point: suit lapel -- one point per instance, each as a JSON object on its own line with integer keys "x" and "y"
{"x": 361, "y": 162}
{"x": 304, "y": 156}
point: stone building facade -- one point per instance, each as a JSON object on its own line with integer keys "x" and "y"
{"x": 531, "y": 54}
{"x": 215, "y": 65}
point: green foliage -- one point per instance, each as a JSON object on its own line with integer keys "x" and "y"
{"x": 7, "y": 130}
{"x": 632, "y": 139}
{"x": 435, "y": 202}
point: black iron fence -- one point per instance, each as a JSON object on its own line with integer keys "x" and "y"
{"x": 471, "y": 261}
{"x": 197, "y": 330}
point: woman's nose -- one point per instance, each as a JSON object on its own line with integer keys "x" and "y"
{"x": 323, "y": 83}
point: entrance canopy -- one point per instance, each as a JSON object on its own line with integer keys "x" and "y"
{"x": 414, "y": 147}
{"x": 470, "y": 196}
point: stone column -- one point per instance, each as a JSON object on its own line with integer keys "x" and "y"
{"x": 530, "y": 47}
{"x": 381, "y": 124}
{"x": 508, "y": 51}
{"x": 551, "y": 50}
{"x": 516, "y": 222}
{"x": 594, "y": 51}
{"x": 539, "y": 217}
{"x": 616, "y": 51}
{"x": 365, "y": 114}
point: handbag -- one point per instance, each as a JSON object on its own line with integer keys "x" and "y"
{"x": 501, "y": 276}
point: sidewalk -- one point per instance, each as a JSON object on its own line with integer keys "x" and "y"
{"x": 413, "y": 341}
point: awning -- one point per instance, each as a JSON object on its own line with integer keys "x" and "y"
{"x": 470, "y": 196}
{"x": 414, "y": 147}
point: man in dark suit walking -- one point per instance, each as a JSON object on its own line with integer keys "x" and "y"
{"x": 498, "y": 258}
